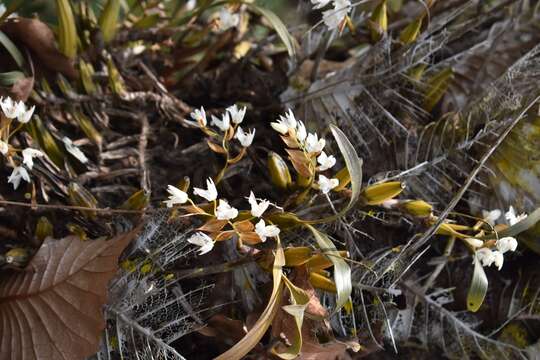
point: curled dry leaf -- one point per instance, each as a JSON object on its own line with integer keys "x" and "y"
{"x": 39, "y": 38}
{"x": 53, "y": 309}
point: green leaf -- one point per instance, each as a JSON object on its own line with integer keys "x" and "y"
{"x": 252, "y": 338}
{"x": 12, "y": 49}
{"x": 478, "y": 289}
{"x": 108, "y": 20}
{"x": 67, "y": 32}
{"x": 342, "y": 271}
{"x": 11, "y": 77}
{"x": 279, "y": 26}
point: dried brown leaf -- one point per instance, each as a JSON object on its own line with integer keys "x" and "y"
{"x": 53, "y": 309}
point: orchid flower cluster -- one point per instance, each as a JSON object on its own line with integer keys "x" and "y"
{"x": 492, "y": 252}
{"x": 224, "y": 214}
{"x": 17, "y": 110}
{"x": 306, "y": 151}
{"x": 224, "y": 130}
{"x": 334, "y": 18}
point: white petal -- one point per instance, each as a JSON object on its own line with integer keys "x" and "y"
{"x": 257, "y": 209}
{"x": 225, "y": 211}
{"x": 498, "y": 259}
{"x": 177, "y": 196}
{"x": 26, "y": 115}
{"x": 326, "y": 162}
{"x": 327, "y": 184}
{"x": 28, "y": 155}
{"x": 210, "y": 194}
{"x": 74, "y": 150}
{"x": 280, "y": 127}
{"x": 506, "y": 244}
{"x": 4, "y": 147}
{"x": 475, "y": 243}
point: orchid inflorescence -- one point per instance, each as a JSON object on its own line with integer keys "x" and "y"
{"x": 17, "y": 110}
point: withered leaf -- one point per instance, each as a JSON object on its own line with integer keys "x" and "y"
{"x": 213, "y": 225}
{"x": 53, "y": 309}
{"x": 39, "y": 38}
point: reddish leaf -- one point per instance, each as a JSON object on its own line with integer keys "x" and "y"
{"x": 39, "y": 38}
{"x": 53, "y": 309}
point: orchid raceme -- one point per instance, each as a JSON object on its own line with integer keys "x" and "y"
{"x": 326, "y": 184}
{"x": 19, "y": 173}
{"x": 257, "y": 208}
{"x": 28, "y": 155}
{"x": 326, "y": 162}
{"x": 210, "y": 193}
{"x": 265, "y": 231}
{"x": 176, "y": 196}
{"x": 237, "y": 114}
{"x": 203, "y": 241}
{"x": 245, "y": 138}
{"x": 74, "y": 150}
{"x": 225, "y": 211}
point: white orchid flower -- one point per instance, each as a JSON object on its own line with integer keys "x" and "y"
{"x": 199, "y": 118}
{"x": 485, "y": 256}
{"x": 301, "y": 132}
{"x": 265, "y": 231}
{"x": 257, "y": 208}
{"x": 498, "y": 259}
{"x": 506, "y": 244}
{"x": 227, "y": 20}
{"x": 326, "y": 162}
{"x": 74, "y": 150}
{"x": 18, "y": 173}
{"x": 512, "y": 218}
{"x": 203, "y": 241}
{"x": 223, "y": 124}
{"x": 314, "y": 144}
{"x": 225, "y": 211}
{"x": 4, "y": 147}
{"x": 491, "y": 216}
{"x": 327, "y": 184}
{"x": 25, "y": 114}
{"x": 210, "y": 194}
{"x": 285, "y": 123}
{"x": 245, "y": 138}
{"x": 176, "y": 196}
{"x": 237, "y": 114}
{"x": 333, "y": 18}
{"x": 28, "y": 155}
{"x": 10, "y": 108}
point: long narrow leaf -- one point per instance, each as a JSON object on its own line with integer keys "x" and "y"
{"x": 12, "y": 49}
{"x": 279, "y": 26}
{"x": 478, "y": 289}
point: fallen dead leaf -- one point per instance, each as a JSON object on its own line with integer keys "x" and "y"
{"x": 53, "y": 308}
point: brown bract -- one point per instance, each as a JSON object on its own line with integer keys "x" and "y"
{"x": 53, "y": 309}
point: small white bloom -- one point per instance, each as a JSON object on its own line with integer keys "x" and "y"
{"x": 18, "y": 173}
{"x": 314, "y": 144}
{"x": 223, "y": 124}
{"x": 257, "y": 208}
{"x": 11, "y": 108}
{"x": 301, "y": 132}
{"x": 237, "y": 114}
{"x": 498, "y": 259}
{"x": 475, "y": 243}
{"x": 74, "y": 150}
{"x": 485, "y": 256}
{"x": 203, "y": 241}
{"x": 317, "y": 4}
{"x": 28, "y": 155}
{"x": 210, "y": 194}
{"x": 176, "y": 196}
{"x": 325, "y": 161}
{"x": 25, "y": 114}
{"x": 327, "y": 184}
{"x": 506, "y": 244}
{"x": 199, "y": 117}
{"x": 4, "y": 147}
{"x": 491, "y": 216}
{"x": 512, "y": 217}
{"x": 225, "y": 211}
{"x": 285, "y": 123}
{"x": 227, "y": 19}
{"x": 265, "y": 231}
{"x": 245, "y": 138}
{"x": 333, "y": 18}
